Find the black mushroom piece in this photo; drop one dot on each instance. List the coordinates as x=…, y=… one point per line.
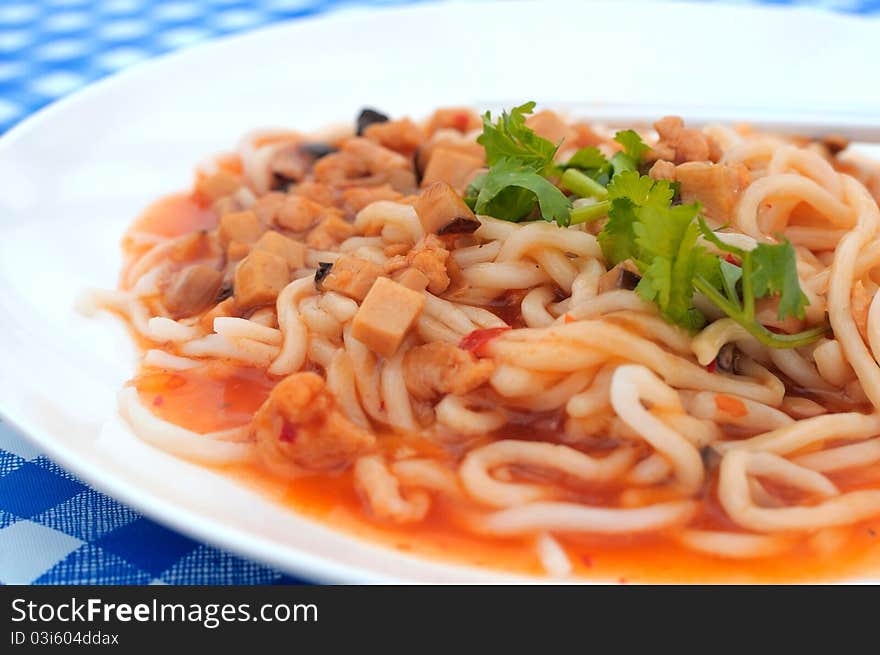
x=322, y=272
x=368, y=117
x=627, y=279
x=728, y=359
x=317, y=149
x=291, y=163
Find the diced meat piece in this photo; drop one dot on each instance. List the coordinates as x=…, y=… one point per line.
x=301, y=421
x=386, y=315
x=401, y=136
x=439, y=368
x=243, y=227
x=259, y=278
x=411, y=278
x=662, y=170
x=396, y=249
x=454, y=167
x=267, y=206
x=356, y=198
x=549, y=124
x=323, y=194
x=351, y=276
x=585, y=136
x=716, y=186
x=332, y=231
x=431, y=257
x=222, y=183
x=293, y=252
x=298, y=213
x=455, y=118
x=363, y=162
x=681, y=144
x=192, y=290
x=442, y=211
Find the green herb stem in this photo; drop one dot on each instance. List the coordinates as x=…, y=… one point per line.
x=583, y=185
x=590, y=213
x=762, y=334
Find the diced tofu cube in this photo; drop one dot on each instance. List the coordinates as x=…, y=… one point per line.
x=454, y=167
x=386, y=315
x=192, y=290
x=442, y=211
x=236, y=251
x=243, y=227
x=351, y=276
x=412, y=278
x=293, y=252
x=259, y=278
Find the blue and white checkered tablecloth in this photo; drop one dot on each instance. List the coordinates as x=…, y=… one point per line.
x=54, y=529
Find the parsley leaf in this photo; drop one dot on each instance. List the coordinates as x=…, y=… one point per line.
x=510, y=138
x=510, y=191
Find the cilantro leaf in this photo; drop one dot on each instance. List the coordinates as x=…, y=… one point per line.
x=511, y=191
x=632, y=143
x=775, y=272
x=617, y=239
x=510, y=138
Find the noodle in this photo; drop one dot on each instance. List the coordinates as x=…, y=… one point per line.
x=520, y=384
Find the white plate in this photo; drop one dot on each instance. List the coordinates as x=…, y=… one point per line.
x=76, y=174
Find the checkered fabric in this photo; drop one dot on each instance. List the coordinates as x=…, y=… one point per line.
x=54, y=529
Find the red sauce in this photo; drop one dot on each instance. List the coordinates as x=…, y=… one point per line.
x=226, y=396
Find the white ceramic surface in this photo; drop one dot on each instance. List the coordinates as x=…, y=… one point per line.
x=74, y=175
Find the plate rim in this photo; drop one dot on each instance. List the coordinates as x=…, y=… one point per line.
x=314, y=568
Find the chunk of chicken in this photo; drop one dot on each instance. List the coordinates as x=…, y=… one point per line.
x=330, y=232
x=716, y=186
x=461, y=119
x=356, y=198
x=401, y=136
x=439, y=368
x=363, y=162
x=549, y=124
x=680, y=144
x=298, y=213
x=430, y=256
x=301, y=422
x=351, y=276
